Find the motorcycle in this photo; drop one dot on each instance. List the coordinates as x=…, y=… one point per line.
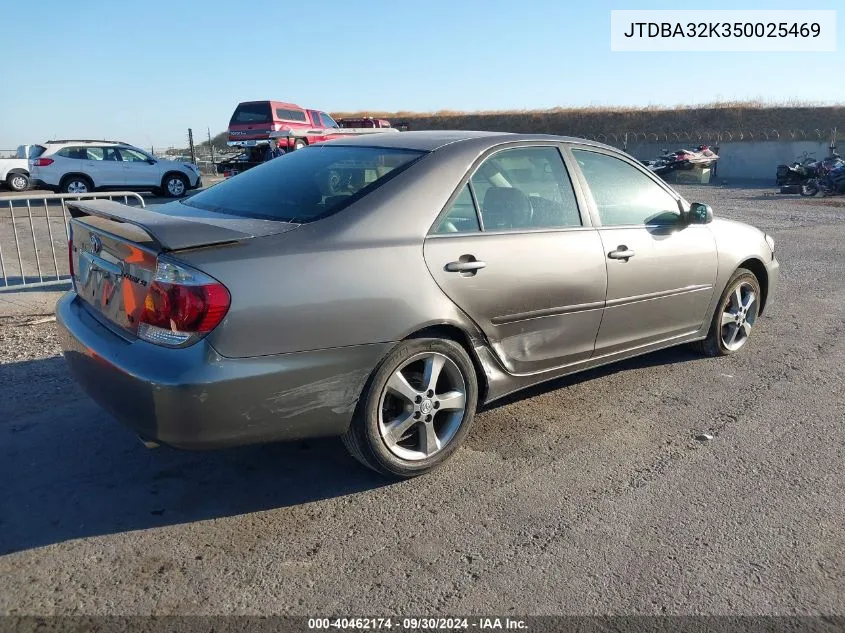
x=806, y=168
x=831, y=183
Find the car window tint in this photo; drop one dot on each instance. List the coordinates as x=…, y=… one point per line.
x=327, y=120
x=525, y=188
x=286, y=114
x=624, y=195
x=131, y=156
x=94, y=153
x=306, y=185
x=461, y=217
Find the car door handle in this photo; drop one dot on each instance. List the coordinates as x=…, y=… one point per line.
x=621, y=252
x=465, y=266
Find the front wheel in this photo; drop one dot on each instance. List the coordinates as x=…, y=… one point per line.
x=735, y=316
x=416, y=409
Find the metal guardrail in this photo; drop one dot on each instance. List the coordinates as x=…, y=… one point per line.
x=27, y=227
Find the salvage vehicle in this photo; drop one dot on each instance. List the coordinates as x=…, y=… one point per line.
x=14, y=172
x=451, y=268
x=254, y=123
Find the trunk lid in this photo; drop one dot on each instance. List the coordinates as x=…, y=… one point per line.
x=114, y=250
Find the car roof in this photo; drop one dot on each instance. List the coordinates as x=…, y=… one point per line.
x=430, y=140
x=87, y=142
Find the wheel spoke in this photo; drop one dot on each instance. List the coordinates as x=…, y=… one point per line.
x=398, y=386
x=396, y=429
x=747, y=328
x=749, y=300
x=429, y=442
x=452, y=400
x=737, y=298
x=433, y=367
x=728, y=318
x=734, y=333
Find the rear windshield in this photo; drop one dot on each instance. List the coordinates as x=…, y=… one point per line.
x=252, y=113
x=306, y=184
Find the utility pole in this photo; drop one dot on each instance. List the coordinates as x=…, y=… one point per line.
x=191, y=145
x=210, y=146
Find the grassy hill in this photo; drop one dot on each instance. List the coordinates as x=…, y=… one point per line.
x=726, y=120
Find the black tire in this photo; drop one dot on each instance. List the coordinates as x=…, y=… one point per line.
x=73, y=182
x=17, y=182
x=170, y=189
x=364, y=439
x=809, y=189
x=300, y=143
x=714, y=345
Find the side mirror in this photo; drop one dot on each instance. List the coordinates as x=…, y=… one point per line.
x=700, y=213
x=152, y=161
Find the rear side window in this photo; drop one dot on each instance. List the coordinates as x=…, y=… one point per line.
x=287, y=114
x=525, y=188
x=306, y=185
x=252, y=113
x=78, y=153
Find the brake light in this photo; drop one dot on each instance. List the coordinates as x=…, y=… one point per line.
x=43, y=162
x=182, y=305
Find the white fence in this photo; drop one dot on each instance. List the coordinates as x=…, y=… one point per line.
x=34, y=237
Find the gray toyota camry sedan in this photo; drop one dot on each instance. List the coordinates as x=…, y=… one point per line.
x=380, y=288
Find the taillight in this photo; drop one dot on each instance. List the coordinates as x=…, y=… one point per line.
x=43, y=162
x=182, y=305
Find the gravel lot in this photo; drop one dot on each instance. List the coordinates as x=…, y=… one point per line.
x=589, y=495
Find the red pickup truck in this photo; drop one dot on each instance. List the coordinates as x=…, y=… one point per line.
x=255, y=122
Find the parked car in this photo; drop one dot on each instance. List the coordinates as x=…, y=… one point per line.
x=14, y=172
x=365, y=121
x=82, y=166
x=447, y=270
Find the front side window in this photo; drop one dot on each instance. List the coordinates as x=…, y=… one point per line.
x=132, y=156
x=306, y=185
x=525, y=188
x=327, y=120
x=624, y=195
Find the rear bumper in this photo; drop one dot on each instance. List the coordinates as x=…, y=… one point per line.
x=194, y=398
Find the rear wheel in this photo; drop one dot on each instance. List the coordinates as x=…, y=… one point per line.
x=735, y=316
x=416, y=409
x=76, y=184
x=17, y=182
x=809, y=188
x=174, y=185
x=300, y=143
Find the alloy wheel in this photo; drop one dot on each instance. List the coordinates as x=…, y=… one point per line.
x=175, y=187
x=77, y=186
x=422, y=406
x=739, y=315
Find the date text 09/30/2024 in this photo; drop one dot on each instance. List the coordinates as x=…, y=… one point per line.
x=417, y=624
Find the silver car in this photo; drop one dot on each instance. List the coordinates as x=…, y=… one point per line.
x=381, y=288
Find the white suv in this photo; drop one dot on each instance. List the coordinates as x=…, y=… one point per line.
x=72, y=166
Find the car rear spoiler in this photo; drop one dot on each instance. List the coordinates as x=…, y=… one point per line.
x=169, y=232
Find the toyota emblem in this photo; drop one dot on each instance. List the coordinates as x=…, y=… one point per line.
x=96, y=243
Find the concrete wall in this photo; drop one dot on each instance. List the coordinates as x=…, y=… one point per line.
x=743, y=159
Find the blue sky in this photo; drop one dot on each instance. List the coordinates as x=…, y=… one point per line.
x=145, y=70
